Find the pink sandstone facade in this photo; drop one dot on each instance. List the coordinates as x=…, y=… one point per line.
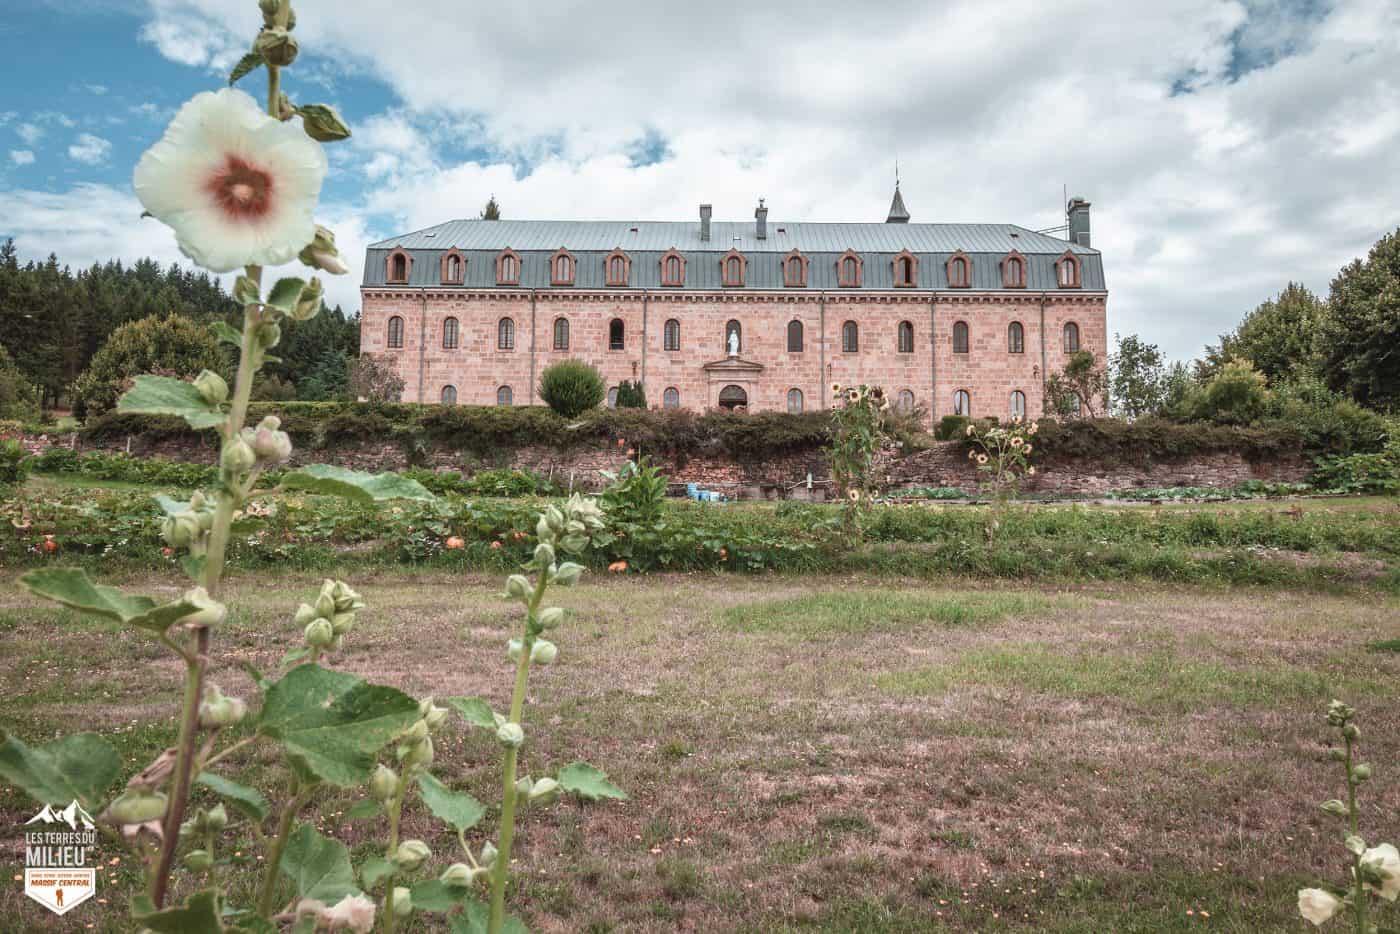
x=457, y=328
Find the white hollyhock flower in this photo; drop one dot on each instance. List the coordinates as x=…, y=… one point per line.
x=1317, y=906
x=351, y=913
x=237, y=186
x=1384, y=860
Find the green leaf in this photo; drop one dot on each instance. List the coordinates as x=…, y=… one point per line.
x=259, y=680
x=285, y=293
x=363, y=809
x=474, y=710
x=352, y=484
x=73, y=588
x=294, y=655
x=460, y=811
x=170, y=506
x=375, y=870
x=475, y=918
x=246, y=66
x=193, y=566
x=251, y=924
x=333, y=723
x=588, y=783
x=247, y=800
x=78, y=767
x=320, y=866
x=225, y=332
x=162, y=395
x=199, y=915
x=436, y=896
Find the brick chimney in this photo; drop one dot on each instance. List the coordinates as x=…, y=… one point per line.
x=760, y=215
x=705, y=212
x=1077, y=213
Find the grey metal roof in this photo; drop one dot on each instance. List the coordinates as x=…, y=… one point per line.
x=659, y=236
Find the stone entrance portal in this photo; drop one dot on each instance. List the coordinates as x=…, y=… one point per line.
x=733, y=397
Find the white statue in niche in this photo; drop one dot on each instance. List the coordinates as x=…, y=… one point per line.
x=733, y=343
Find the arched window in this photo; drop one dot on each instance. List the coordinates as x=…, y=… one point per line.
x=1071, y=337
x=732, y=268
x=906, y=270
x=1013, y=271
x=959, y=271
x=449, y=334
x=672, y=269
x=848, y=270
x=618, y=268
x=794, y=335
x=795, y=270
x=505, y=334
x=962, y=403
x=794, y=402
x=395, y=333
x=612, y=398
x=671, y=398
x=508, y=268
x=452, y=268
x=905, y=403
x=671, y=334
x=906, y=337
x=504, y=396
x=561, y=333
x=1067, y=271
x=850, y=337
x=617, y=334
x=449, y=395
x=733, y=336
x=1018, y=403
x=561, y=268
x=1015, y=338
x=399, y=265
x=960, y=341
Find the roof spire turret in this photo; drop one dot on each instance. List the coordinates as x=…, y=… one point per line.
x=899, y=214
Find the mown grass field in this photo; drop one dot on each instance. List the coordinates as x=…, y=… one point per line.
x=823, y=753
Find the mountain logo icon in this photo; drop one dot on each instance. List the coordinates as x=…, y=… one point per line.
x=72, y=815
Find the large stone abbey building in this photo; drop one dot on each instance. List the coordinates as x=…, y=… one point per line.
x=965, y=318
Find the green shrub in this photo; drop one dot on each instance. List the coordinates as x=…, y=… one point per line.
x=1237, y=395
x=631, y=395
x=572, y=387
x=14, y=462
x=19, y=399
x=169, y=346
x=951, y=427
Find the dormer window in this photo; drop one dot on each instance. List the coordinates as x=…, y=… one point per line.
x=397, y=267
x=849, y=269
x=1067, y=271
x=672, y=269
x=454, y=267
x=1013, y=271
x=617, y=268
x=561, y=268
x=795, y=270
x=906, y=270
x=508, y=267
x=732, y=268
x=959, y=271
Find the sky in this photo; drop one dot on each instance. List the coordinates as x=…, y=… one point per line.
x=1228, y=146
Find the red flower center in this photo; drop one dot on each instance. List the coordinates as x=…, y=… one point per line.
x=243, y=191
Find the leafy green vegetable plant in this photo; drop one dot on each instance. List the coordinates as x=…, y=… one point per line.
x=857, y=431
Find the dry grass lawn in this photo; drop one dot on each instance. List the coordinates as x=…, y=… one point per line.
x=821, y=754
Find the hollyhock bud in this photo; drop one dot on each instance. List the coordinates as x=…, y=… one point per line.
x=411, y=853
x=238, y=456
x=324, y=125
x=545, y=791
x=216, y=710
x=268, y=334
x=325, y=605
x=551, y=616
x=416, y=733
x=459, y=875
x=416, y=755
x=383, y=784
x=342, y=623
x=269, y=444
x=309, y=302
x=488, y=854
x=1334, y=807
x=522, y=788
x=1317, y=905
x=198, y=860
x=305, y=614
x=319, y=634
x=212, y=387
x=513, y=649
x=401, y=903
x=1382, y=864
x=1361, y=772
x=1351, y=731
x=543, y=652
x=554, y=517
x=433, y=715
x=137, y=807
x=511, y=735
x=543, y=531
x=346, y=597
x=568, y=574
x=217, y=818
x=544, y=554
x=321, y=253
x=210, y=613
x=180, y=530
x=276, y=46
x=518, y=587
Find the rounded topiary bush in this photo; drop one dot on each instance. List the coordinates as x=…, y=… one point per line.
x=571, y=387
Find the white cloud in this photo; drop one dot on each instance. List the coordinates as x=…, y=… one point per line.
x=89, y=149
x=22, y=156
x=97, y=89
x=30, y=133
